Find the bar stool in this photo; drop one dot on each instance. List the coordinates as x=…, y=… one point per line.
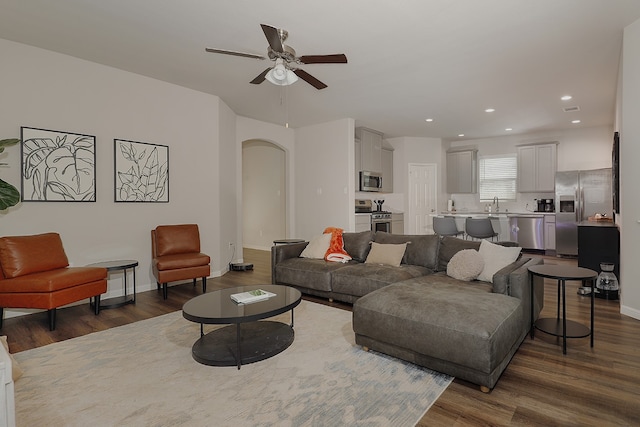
x=446, y=226
x=480, y=228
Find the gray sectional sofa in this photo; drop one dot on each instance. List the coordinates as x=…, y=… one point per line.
x=414, y=311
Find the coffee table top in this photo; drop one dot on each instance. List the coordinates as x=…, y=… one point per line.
x=218, y=308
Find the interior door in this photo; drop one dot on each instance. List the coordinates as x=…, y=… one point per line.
x=423, y=187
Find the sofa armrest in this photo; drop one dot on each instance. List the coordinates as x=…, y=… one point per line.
x=520, y=287
x=280, y=253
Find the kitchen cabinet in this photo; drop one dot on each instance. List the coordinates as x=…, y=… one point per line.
x=462, y=172
x=363, y=222
x=358, y=158
x=397, y=223
x=370, y=149
x=387, y=170
x=550, y=232
x=537, y=168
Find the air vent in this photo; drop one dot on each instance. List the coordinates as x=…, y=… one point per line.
x=571, y=109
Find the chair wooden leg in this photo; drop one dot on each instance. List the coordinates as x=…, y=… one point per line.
x=96, y=307
x=165, y=292
x=204, y=285
x=1, y=316
x=52, y=319
x=158, y=283
x=194, y=281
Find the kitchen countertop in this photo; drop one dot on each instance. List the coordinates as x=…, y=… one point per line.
x=597, y=224
x=495, y=214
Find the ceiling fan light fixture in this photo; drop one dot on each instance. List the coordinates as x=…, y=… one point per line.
x=280, y=75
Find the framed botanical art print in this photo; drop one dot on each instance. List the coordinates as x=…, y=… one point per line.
x=57, y=166
x=141, y=172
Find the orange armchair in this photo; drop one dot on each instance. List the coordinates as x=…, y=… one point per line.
x=176, y=255
x=35, y=273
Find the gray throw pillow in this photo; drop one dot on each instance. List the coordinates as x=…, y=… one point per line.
x=358, y=244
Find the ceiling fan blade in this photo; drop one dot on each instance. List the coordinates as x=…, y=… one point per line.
x=309, y=79
x=234, y=53
x=339, y=58
x=260, y=77
x=273, y=37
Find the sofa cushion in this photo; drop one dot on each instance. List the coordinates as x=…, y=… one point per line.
x=177, y=239
x=360, y=279
x=496, y=257
x=421, y=249
x=386, y=254
x=465, y=265
x=307, y=273
x=449, y=246
x=53, y=280
x=358, y=244
x=317, y=247
x=22, y=255
x=171, y=262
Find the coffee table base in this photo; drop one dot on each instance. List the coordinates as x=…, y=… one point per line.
x=258, y=341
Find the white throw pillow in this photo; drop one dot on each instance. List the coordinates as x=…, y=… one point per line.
x=465, y=265
x=317, y=247
x=387, y=254
x=495, y=257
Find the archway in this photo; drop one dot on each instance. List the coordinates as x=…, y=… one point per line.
x=264, y=196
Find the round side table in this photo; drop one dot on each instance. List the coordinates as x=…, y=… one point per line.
x=562, y=327
x=119, y=265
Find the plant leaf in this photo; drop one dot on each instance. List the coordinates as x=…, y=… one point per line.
x=9, y=195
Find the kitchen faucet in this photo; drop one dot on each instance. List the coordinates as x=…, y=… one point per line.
x=496, y=202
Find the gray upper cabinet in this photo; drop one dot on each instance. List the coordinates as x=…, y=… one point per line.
x=537, y=168
x=462, y=172
x=387, y=170
x=370, y=149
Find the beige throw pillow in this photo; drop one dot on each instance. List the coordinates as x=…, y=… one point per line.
x=465, y=265
x=495, y=257
x=386, y=254
x=317, y=247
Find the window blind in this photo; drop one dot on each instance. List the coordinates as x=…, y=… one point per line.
x=497, y=177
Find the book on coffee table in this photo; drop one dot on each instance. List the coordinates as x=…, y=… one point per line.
x=251, y=296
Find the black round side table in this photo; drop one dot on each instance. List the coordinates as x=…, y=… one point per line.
x=118, y=265
x=562, y=327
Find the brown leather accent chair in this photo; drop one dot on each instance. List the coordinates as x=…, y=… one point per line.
x=35, y=273
x=176, y=255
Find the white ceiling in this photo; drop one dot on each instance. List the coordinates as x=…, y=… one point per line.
x=408, y=59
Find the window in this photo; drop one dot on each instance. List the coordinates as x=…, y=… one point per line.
x=498, y=175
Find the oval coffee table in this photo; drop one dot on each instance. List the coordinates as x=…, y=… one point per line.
x=250, y=340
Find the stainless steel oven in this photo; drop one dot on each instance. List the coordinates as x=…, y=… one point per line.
x=381, y=221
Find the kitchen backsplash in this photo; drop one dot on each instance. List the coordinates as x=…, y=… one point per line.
x=471, y=203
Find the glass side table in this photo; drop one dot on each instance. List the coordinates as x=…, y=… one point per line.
x=119, y=265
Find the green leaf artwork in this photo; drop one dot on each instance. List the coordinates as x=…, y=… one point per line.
x=9, y=195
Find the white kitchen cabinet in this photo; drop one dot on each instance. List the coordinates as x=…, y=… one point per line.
x=397, y=223
x=363, y=222
x=550, y=232
x=462, y=172
x=358, y=157
x=537, y=168
x=370, y=149
x=387, y=170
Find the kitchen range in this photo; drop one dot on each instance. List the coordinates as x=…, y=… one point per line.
x=378, y=219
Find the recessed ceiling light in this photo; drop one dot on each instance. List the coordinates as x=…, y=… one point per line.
x=489, y=110
x=566, y=97
x=575, y=121
x=508, y=129
x=428, y=120
x=461, y=134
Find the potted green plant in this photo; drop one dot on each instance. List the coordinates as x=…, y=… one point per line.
x=9, y=195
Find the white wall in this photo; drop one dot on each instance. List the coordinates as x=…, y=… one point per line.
x=263, y=194
x=53, y=91
x=630, y=173
x=324, y=178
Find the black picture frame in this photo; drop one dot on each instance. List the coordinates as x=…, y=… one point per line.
x=141, y=172
x=57, y=166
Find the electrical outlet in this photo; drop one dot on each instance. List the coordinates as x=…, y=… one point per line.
x=230, y=244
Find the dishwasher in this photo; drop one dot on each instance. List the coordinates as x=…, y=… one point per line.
x=528, y=231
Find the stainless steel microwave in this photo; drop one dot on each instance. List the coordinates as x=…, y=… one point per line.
x=370, y=181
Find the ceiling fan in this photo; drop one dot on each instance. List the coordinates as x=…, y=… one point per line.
x=285, y=71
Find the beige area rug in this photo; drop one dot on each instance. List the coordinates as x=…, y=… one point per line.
x=142, y=374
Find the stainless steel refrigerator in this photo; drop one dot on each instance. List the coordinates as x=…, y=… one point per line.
x=579, y=195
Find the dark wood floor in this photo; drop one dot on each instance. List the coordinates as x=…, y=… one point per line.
x=597, y=386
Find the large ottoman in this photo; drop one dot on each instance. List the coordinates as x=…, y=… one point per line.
x=458, y=328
